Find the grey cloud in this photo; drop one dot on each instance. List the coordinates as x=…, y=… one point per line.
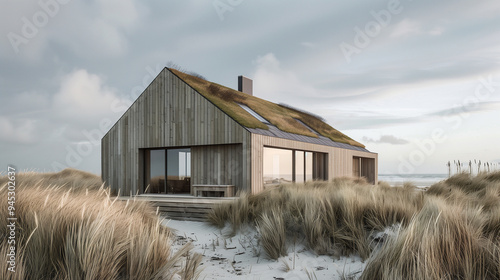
x=371, y=122
x=402, y=74
x=472, y=107
x=386, y=139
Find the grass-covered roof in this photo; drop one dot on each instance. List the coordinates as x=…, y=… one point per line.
x=284, y=118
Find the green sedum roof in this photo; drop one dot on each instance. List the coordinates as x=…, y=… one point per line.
x=284, y=118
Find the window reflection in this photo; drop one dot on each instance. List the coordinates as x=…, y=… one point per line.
x=179, y=171
x=286, y=166
x=168, y=171
x=299, y=167
x=157, y=172
x=277, y=166
x=309, y=166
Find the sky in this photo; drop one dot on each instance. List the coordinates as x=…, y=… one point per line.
x=417, y=82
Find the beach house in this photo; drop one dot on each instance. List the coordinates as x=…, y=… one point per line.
x=188, y=136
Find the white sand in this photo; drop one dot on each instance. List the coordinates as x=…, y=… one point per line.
x=242, y=257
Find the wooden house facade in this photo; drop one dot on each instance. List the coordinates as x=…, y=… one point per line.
x=187, y=136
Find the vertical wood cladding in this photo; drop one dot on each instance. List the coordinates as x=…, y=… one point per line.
x=217, y=165
x=169, y=113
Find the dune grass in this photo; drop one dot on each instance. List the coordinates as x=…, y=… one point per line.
x=450, y=231
x=455, y=236
x=442, y=241
x=69, y=178
x=70, y=227
x=334, y=218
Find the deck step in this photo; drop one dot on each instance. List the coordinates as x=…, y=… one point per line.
x=185, y=208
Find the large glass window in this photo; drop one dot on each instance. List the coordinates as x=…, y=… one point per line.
x=278, y=166
x=168, y=171
x=285, y=166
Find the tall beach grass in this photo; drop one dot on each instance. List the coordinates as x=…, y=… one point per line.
x=450, y=231
x=334, y=218
x=70, y=227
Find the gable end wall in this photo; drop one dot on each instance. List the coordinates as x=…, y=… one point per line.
x=169, y=113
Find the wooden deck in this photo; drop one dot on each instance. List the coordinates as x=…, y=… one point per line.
x=184, y=208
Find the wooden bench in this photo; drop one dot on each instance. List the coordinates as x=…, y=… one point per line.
x=210, y=190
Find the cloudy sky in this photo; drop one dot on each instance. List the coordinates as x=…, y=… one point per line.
x=416, y=81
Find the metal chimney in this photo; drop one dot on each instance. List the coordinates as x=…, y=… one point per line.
x=245, y=85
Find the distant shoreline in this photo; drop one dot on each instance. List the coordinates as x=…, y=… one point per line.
x=419, y=180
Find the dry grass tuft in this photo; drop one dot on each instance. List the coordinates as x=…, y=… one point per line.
x=454, y=236
x=271, y=227
x=450, y=231
x=191, y=266
x=334, y=218
x=69, y=227
x=481, y=191
x=442, y=241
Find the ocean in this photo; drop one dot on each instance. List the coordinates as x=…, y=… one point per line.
x=419, y=180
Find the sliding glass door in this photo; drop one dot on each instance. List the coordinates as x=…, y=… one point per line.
x=168, y=171
x=179, y=171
